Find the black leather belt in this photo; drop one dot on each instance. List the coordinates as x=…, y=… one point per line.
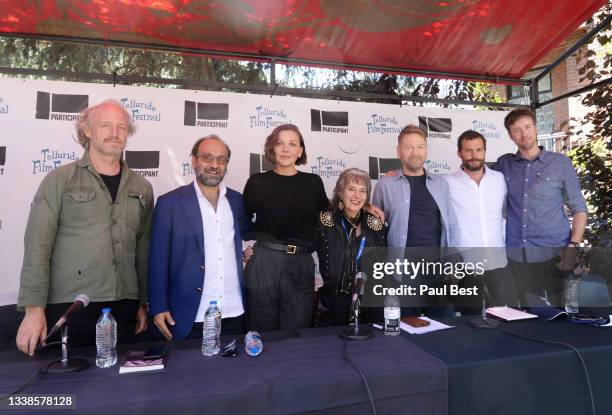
x=288, y=249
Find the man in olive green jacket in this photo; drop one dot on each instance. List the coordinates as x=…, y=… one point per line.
x=88, y=233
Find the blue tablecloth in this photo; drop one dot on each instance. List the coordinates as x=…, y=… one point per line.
x=298, y=372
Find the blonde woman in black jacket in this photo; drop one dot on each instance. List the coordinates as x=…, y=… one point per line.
x=345, y=229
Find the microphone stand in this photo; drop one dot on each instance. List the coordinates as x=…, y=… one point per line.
x=356, y=333
x=65, y=364
x=483, y=322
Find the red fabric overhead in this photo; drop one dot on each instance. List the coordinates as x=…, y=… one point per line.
x=500, y=38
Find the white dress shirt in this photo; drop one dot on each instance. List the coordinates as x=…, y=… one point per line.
x=478, y=209
x=221, y=281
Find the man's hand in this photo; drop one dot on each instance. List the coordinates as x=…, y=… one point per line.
x=32, y=329
x=247, y=254
x=141, y=320
x=568, y=259
x=160, y=321
x=376, y=211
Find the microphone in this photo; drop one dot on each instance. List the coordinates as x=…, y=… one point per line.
x=65, y=364
x=360, y=279
x=355, y=333
x=80, y=301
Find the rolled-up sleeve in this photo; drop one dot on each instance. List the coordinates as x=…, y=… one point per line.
x=572, y=194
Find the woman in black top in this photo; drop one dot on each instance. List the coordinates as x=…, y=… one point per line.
x=280, y=274
x=344, y=230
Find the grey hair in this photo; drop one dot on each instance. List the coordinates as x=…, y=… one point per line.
x=88, y=115
x=348, y=176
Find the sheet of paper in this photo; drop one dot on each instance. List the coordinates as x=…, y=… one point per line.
x=433, y=326
x=609, y=322
x=509, y=314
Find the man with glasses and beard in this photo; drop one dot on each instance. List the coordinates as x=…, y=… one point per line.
x=478, y=197
x=196, y=249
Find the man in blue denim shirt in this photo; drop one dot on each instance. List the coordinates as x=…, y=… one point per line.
x=417, y=206
x=541, y=184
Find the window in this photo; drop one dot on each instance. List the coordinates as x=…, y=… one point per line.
x=545, y=115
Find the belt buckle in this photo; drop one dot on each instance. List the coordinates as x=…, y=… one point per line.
x=291, y=249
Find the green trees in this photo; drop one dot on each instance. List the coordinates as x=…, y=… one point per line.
x=593, y=158
x=75, y=60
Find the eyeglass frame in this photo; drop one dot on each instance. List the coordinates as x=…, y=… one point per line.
x=209, y=158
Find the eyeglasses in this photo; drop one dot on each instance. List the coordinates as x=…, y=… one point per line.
x=209, y=158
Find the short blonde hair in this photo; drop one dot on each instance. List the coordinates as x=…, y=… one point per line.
x=411, y=129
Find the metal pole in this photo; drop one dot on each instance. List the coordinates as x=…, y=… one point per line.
x=258, y=58
x=272, y=72
x=533, y=95
x=262, y=89
x=576, y=92
x=574, y=48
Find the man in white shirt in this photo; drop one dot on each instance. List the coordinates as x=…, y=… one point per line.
x=478, y=196
x=196, y=250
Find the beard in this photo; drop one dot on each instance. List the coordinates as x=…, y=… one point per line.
x=415, y=163
x=473, y=164
x=104, y=146
x=210, y=177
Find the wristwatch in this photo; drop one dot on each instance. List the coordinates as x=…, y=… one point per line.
x=573, y=243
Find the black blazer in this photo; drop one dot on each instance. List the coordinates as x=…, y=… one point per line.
x=331, y=241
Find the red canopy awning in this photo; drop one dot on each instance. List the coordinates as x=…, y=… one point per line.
x=456, y=38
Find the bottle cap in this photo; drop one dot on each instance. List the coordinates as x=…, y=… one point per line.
x=106, y=310
x=213, y=302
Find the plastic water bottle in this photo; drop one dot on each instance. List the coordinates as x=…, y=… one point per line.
x=106, y=339
x=392, y=315
x=211, y=330
x=253, y=345
x=571, y=294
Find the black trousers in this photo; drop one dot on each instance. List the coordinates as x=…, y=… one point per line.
x=82, y=325
x=339, y=306
x=280, y=290
x=231, y=326
x=538, y=278
x=340, y=312
x=501, y=287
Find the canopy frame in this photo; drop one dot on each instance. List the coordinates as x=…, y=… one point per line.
x=273, y=88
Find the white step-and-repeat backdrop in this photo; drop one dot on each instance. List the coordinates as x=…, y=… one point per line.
x=37, y=135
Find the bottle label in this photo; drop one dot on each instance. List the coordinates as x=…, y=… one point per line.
x=392, y=313
x=392, y=324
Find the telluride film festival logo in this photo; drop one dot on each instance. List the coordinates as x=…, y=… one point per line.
x=381, y=124
x=327, y=167
x=265, y=117
x=51, y=159
x=437, y=167
x=60, y=107
x=487, y=129
x=186, y=169
x=141, y=110
x=4, y=107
